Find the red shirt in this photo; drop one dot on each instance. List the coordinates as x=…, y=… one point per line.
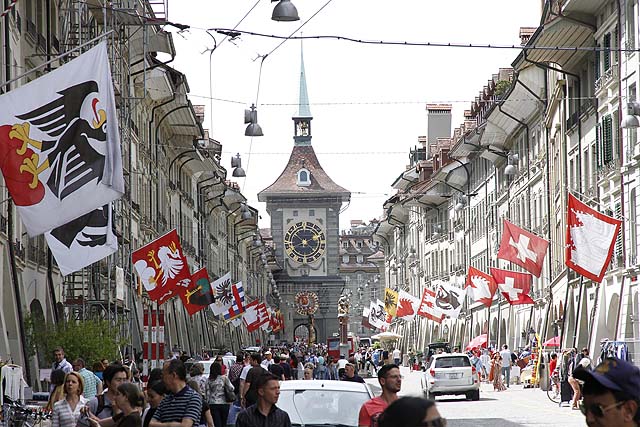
x=552, y=366
x=370, y=412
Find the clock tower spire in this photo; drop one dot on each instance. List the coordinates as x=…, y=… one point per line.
x=302, y=120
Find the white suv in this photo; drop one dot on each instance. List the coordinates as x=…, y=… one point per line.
x=451, y=373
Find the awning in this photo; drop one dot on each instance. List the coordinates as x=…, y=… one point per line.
x=406, y=179
x=562, y=32
x=468, y=143
x=522, y=102
x=435, y=195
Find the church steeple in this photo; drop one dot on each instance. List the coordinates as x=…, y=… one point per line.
x=302, y=120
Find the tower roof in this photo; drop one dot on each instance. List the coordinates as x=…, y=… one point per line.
x=303, y=99
x=303, y=156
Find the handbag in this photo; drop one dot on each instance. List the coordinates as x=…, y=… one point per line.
x=229, y=395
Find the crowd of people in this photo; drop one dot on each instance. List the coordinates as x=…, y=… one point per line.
x=245, y=392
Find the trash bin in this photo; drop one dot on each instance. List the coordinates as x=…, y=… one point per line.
x=543, y=376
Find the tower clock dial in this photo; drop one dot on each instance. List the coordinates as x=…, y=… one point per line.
x=304, y=242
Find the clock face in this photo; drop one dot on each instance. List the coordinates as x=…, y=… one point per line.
x=304, y=242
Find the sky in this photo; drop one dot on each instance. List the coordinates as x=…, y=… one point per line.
x=367, y=101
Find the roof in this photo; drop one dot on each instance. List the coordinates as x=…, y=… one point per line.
x=286, y=184
x=323, y=385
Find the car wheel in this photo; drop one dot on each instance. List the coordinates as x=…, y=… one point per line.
x=475, y=395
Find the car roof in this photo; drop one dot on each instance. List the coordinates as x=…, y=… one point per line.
x=449, y=355
x=323, y=385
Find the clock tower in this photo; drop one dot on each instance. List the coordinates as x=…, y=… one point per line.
x=304, y=205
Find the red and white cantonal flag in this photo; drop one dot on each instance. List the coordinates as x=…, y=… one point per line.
x=480, y=286
x=252, y=319
x=522, y=248
x=407, y=306
x=59, y=143
x=515, y=287
x=591, y=238
x=428, y=307
x=162, y=267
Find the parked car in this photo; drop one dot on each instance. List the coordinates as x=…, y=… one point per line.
x=319, y=402
x=451, y=373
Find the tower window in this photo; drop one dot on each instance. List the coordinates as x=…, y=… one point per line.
x=312, y=212
x=304, y=178
x=345, y=259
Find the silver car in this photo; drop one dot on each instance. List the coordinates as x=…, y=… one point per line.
x=451, y=373
x=323, y=402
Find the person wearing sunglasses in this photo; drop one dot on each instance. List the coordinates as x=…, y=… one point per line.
x=412, y=412
x=611, y=394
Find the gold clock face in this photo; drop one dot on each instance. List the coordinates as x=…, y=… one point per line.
x=304, y=242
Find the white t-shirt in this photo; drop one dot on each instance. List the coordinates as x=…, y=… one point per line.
x=506, y=358
x=342, y=363
x=396, y=354
x=245, y=371
x=265, y=363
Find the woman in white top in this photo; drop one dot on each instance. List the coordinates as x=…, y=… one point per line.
x=67, y=411
x=215, y=395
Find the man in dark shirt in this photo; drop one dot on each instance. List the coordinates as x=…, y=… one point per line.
x=276, y=369
x=285, y=366
x=350, y=374
x=249, y=394
x=265, y=413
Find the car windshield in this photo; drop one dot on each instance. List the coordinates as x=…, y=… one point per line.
x=329, y=407
x=452, y=362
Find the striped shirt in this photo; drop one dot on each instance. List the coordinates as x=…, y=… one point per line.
x=64, y=416
x=187, y=403
x=90, y=383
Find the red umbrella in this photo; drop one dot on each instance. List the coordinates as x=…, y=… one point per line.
x=552, y=342
x=479, y=341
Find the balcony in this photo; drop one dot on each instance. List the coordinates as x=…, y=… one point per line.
x=605, y=79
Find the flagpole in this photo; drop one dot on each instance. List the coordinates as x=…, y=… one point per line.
x=60, y=56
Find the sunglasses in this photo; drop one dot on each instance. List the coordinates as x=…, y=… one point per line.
x=436, y=422
x=598, y=410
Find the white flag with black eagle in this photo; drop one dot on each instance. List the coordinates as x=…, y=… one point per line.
x=59, y=143
x=83, y=241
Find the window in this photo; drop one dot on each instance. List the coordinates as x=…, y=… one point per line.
x=312, y=212
x=304, y=178
x=345, y=259
x=359, y=259
x=359, y=245
x=606, y=42
x=345, y=245
x=631, y=25
x=295, y=213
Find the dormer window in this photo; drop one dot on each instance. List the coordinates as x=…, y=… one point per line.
x=304, y=177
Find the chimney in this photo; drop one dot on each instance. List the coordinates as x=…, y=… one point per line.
x=438, y=122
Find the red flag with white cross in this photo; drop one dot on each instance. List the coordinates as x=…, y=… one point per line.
x=522, y=248
x=480, y=286
x=515, y=286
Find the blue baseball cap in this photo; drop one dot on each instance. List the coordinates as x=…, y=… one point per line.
x=613, y=374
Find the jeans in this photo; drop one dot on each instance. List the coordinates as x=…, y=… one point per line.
x=396, y=362
x=234, y=410
x=506, y=372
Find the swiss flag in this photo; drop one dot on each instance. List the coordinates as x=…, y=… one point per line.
x=480, y=286
x=591, y=238
x=428, y=307
x=522, y=248
x=162, y=267
x=514, y=286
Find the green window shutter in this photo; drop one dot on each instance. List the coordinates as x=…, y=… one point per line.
x=607, y=51
x=607, y=139
x=618, y=246
x=596, y=64
x=598, y=146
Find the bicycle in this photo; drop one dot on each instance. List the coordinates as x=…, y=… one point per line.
x=553, y=392
x=17, y=415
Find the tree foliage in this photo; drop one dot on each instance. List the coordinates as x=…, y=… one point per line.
x=92, y=340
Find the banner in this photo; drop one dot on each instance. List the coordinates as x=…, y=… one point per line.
x=60, y=144
x=390, y=301
x=428, y=307
x=222, y=295
x=198, y=295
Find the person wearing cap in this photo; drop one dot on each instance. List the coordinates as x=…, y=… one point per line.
x=268, y=360
x=285, y=366
x=611, y=393
x=350, y=374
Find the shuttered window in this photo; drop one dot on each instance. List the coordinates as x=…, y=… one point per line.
x=606, y=44
x=607, y=139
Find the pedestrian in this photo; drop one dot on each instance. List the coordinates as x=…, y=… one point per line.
x=276, y=369
x=321, y=372
x=391, y=382
x=397, y=354
x=130, y=402
x=57, y=382
x=294, y=363
x=496, y=367
x=206, y=419
x=67, y=412
x=102, y=404
x=220, y=360
x=196, y=373
x=412, y=412
x=350, y=374
x=268, y=359
x=505, y=354
x=155, y=393
x=249, y=393
x=92, y=384
x=611, y=394
x=265, y=413
x=308, y=374
x=98, y=369
x=284, y=363
x=216, y=392
x=332, y=367
x=580, y=360
x=59, y=361
x=182, y=404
